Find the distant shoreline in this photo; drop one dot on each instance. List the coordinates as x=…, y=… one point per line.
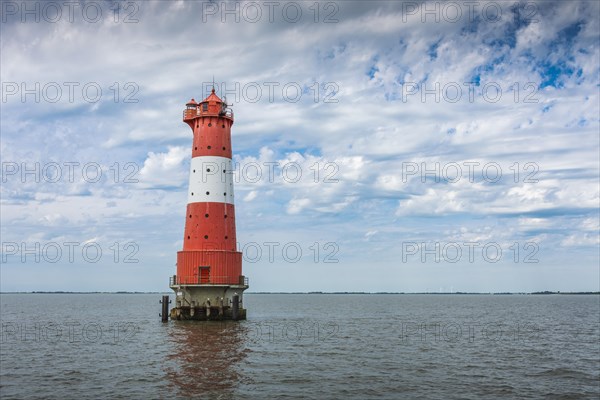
x=364, y=293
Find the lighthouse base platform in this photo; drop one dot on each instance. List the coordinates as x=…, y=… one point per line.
x=202, y=314
x=206, y=302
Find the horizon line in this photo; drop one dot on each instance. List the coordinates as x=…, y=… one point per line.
x=309, y=292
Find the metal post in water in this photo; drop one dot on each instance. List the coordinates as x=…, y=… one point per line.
x=165, y=309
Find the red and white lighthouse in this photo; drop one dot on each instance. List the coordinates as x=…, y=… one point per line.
x=209, y=283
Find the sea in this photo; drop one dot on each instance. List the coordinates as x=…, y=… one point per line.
x=303, y=346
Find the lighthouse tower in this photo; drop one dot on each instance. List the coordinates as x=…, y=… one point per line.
x=209, y=283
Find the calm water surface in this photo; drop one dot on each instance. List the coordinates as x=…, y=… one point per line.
x=91, y=346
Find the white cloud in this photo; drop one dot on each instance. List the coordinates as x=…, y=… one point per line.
x=433, y=201
x=584, y=239
x=165, y=169
x=251, y=195
x=295, y=206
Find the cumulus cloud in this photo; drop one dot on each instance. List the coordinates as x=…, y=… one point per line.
x=251, y=195
x=166, y=169
x=295, y=206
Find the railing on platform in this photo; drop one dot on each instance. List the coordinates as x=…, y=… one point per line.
x=190, y=113
x=206, y=280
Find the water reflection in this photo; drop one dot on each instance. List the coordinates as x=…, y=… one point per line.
x=204, y=357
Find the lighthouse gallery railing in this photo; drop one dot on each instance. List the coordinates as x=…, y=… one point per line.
x=204, y=280
x=190, y=113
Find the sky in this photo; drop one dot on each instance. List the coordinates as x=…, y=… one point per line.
x=380, y=146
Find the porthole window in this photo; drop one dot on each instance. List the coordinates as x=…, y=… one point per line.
x=188, y=237
x=205, y=215
x=223, y=147
x=207, y=169
x=225, y=215
x=205, y=236
x=224, y=194
x=226, y=237
x=195, y=148
x=209, y=147
x=190, y=215
x=207, y=193
x=223, y=126
x=192, y=193
x=209, y=124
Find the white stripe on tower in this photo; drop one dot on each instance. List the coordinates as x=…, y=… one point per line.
x=211, y=180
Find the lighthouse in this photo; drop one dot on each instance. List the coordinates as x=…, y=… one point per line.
x=209, y=284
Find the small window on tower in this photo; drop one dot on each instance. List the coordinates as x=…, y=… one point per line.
x=204, y=106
